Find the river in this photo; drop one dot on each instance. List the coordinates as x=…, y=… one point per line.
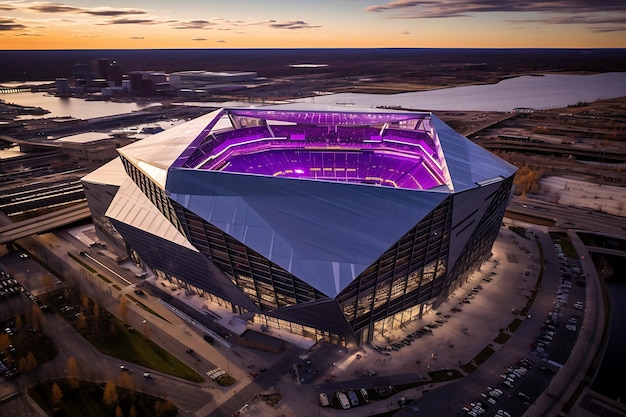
x=74, y=107
x=539, y=92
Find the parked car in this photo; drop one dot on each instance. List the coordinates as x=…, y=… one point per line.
x=354, y=400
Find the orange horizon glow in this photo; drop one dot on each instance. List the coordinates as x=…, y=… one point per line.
x=27, y=25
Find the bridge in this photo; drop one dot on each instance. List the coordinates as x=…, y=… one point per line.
x=44, y=223
x=11, y=90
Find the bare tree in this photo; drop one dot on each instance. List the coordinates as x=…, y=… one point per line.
x=31, y=361
x=81, y=325
x=57, y=395
x=110, y=393
x=124, y=309
x=73, y=372
x=126, y=381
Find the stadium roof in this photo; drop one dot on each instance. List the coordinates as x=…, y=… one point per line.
x=315, y=227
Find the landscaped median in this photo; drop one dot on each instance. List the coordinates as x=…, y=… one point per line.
x=115, y=338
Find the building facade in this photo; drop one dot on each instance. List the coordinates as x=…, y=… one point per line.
x=333, y=224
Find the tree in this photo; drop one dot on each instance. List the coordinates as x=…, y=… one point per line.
x=73, y=372
x=31, y=361
x=112, y=329
x=48, y=283
x=96, y=311
x=37, y=317
x=5, y=341
x=126, y=381
x=22, y=366
x=110, y=393
x=159, y=408
x=81, y=325
x=57, y=395
x=124, y=309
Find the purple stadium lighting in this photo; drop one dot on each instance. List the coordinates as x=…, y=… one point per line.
x=397, y=150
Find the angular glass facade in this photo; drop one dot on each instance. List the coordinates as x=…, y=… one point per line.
x=334, y=225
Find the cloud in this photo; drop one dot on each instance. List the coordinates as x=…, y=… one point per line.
x=406, y=32
x=28, y=34
x=577, y=20
x=111, y=12
x=131, y=22
x=221, y=41
x=53, y=8
x=291, y=24
x=199, y=39
x=7, y=24
x=136, y=37
x=101, y=16
x=609, y=29
x=414, y=9
x=193, y=24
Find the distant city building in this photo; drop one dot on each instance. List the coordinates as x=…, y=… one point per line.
x=144, y=83
x=196, y=84
x=329, y=223
x=213, y=80
x=82, y=72
x=101, y=67
x=62, y=87
x=114, y=74
x=112, y=91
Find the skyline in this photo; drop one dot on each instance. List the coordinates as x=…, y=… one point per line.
x=85, y=24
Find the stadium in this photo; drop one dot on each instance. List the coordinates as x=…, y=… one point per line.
x=332, y=223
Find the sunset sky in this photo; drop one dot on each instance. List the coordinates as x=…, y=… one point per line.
x=140, y=24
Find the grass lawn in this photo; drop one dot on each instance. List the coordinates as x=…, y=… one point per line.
x=109, y=334
x=128, y=344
